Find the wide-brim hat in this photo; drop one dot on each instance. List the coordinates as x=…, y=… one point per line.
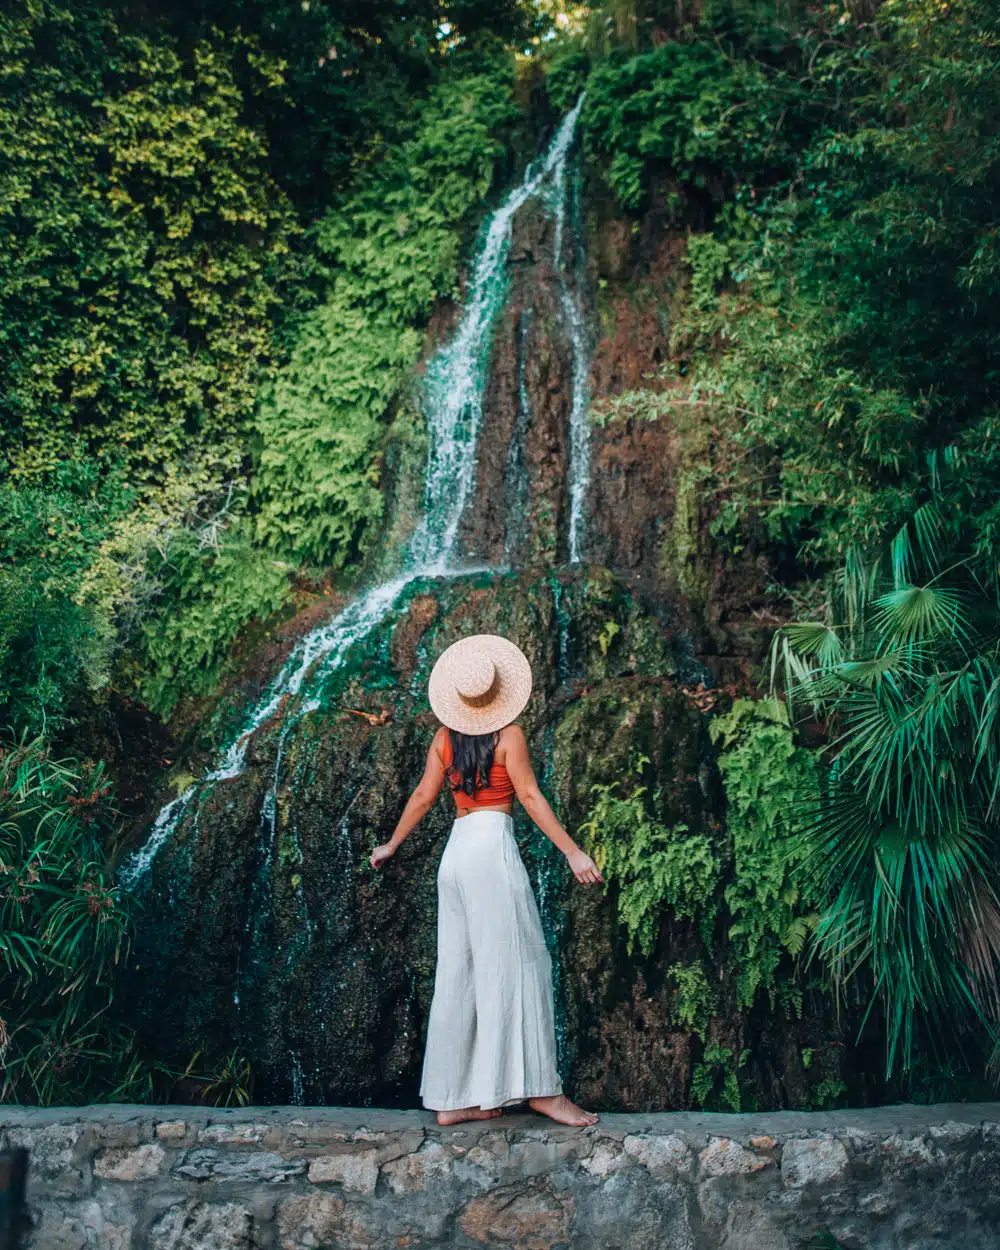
x=480, y=684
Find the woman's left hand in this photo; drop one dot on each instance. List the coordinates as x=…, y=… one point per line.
x=584, y=868
x=381, y=854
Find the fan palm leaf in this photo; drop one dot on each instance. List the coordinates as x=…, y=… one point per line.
x=903, y=845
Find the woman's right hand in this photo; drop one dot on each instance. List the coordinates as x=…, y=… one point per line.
x=584, y=868
x=381, y=854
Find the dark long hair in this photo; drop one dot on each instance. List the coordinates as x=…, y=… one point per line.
x=471, y=761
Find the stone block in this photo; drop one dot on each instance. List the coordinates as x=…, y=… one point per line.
x=722, y=1157
x=490, y=1155
x=952, y=1131
x=537, y=1156
x=911, y=1155
x=322, y=1221
x=310, y=1220
x=606, y=1158
x=660, y=1153
x=56, y=1155
x=204, y=1163
x=120, y=1133
x=879, y=1203
x=530, y=1218
x=86, y=1225
x=813, y=1161
x=233, y=1134
x=171, y=1130
x=430, y=1165
x=356, y=1171
x=129, y=1163
x=631, y=1210
x=748, y=1227
x=194, y=1225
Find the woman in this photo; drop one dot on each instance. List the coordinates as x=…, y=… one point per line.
x=491, y=1034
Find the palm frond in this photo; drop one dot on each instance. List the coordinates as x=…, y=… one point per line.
x=918, y=614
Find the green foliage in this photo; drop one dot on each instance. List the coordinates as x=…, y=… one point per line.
x=388, y=251
x=64, y=935
x=566, y=77
x=140, y=235
x=351, y=70
x=651, y=866
x=63, y=928
x=695, y=1000
x=770, y=783
x=53, y=649
x=823, y=1239
x=903, y=848
x=715, y=1081
x=765, y=894
x=607, y=635
x=839, y=325
x=49, y=653
x=838, y=345
x=683, y=109
x=151, y=259
x=212, y=583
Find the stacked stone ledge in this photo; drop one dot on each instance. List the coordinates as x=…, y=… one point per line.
x=144, y=1178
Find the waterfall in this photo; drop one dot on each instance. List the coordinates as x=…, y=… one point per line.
x=452, y=402
x=579, y=427
x=517, y=493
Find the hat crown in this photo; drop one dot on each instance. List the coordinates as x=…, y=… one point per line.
x=474, y=676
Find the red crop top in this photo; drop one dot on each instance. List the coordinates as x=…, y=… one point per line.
x=499, y=791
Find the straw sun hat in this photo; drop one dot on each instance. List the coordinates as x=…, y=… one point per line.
x=479, y=684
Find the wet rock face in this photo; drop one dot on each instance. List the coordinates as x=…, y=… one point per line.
x=262, y=929
x=287, y=947
x=899, y=1178
x=521, y=505
x=521, y=509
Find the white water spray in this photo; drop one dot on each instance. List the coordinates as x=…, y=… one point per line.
x=579, y=426
x=456, y=378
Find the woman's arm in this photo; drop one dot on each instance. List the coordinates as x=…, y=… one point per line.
x=419, y=803
x=518, y=765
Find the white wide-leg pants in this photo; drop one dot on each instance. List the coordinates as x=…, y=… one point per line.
x=491, y=1034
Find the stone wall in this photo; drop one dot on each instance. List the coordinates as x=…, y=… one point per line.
x=180, y=1178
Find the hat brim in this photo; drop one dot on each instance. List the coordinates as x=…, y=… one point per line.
x=512, y=685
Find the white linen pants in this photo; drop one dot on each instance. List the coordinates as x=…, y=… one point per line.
x=491, y=1034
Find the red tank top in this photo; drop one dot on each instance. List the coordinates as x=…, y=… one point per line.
x=499, y=791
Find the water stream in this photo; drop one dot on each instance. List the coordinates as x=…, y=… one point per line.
x=452, y=402
x=570, y=297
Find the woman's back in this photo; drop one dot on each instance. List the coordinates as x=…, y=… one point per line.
x=499, y=791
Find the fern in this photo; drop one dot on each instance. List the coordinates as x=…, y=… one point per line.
x=695, y=1001
x=390, y=250
x=770, y=783
x=652, y=866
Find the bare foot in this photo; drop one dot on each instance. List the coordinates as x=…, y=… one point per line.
x=467, y=1113
x=560, y=1109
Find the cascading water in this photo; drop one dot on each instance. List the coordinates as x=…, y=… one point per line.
x=517, y=487
x=455, y=382
x=579, y=427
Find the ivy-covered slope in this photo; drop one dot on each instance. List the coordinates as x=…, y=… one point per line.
x=197, y=358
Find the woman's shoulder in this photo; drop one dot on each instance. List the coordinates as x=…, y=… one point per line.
x=511, y=736
x=440, y=742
